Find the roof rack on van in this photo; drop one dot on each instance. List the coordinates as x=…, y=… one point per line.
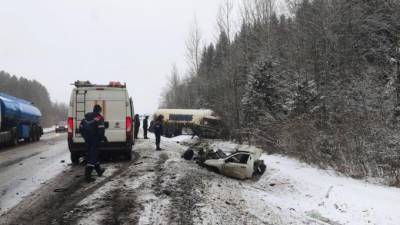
x=87, y=83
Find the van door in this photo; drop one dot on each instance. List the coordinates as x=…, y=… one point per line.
x=114, y=104
x=131, y=115
x=0, y=117
x=80, y=110
x=115, y=112
x=131, y=107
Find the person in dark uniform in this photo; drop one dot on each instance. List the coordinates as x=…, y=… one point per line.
x=145, y=126
x=158, y=130
x=137, y=125
x=92, y=129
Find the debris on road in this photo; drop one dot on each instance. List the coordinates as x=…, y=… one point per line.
x=167, y=192
x=60, y=189
x=188, y=154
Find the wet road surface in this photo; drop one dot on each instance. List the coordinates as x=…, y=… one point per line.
x=26, y=167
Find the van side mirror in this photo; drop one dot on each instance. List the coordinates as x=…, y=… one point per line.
x=106, y=124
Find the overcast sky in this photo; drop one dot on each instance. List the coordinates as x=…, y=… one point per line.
x=135, y=41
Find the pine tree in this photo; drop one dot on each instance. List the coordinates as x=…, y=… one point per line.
x=261, y=94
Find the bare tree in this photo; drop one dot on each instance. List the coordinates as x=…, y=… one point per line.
x=257, y=11
x=193, y=48
x=293, y=5
x=225, y=18
x=171, y=97
x=246, y=11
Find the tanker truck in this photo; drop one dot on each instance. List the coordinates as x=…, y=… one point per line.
x=203, y=122
x=19, y=120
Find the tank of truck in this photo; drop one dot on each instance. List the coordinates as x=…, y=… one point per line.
x=193, y=116
x=14, y=111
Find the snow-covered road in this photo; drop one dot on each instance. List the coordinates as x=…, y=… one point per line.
x=162, y=188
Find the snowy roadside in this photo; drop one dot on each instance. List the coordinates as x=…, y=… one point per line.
x=48, y=130
x=310, y=195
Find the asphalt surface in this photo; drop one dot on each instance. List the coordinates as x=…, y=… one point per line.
x=26, y=167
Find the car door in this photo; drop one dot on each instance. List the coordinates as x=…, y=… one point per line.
x=236, y=166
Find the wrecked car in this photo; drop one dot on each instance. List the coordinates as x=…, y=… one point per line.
x=241, y=164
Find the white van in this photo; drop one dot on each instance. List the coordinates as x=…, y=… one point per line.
x=117, y=111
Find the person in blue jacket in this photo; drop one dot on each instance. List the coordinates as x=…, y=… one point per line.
x=157, y=126
x=92, y=129
x=136, y=121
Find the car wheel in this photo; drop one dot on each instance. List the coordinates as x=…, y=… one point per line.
x=259, y=167
x=75, y=158
x=14, y=141
x=34, y=136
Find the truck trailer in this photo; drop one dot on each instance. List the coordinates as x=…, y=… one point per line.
x=19, y=120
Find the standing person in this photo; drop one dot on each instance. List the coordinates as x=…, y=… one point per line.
x=158, y=130
x=92, y=129
x=137, y=125
x=145, y=126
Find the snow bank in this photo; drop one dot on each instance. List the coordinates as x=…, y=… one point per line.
x=183, y=139
x=308, y=195
x=49, y=130
x=299, y=190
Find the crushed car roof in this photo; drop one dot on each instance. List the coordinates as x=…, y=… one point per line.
x=250, y=149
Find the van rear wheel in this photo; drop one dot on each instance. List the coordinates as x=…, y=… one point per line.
x=128, y=154
x=75, y=158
